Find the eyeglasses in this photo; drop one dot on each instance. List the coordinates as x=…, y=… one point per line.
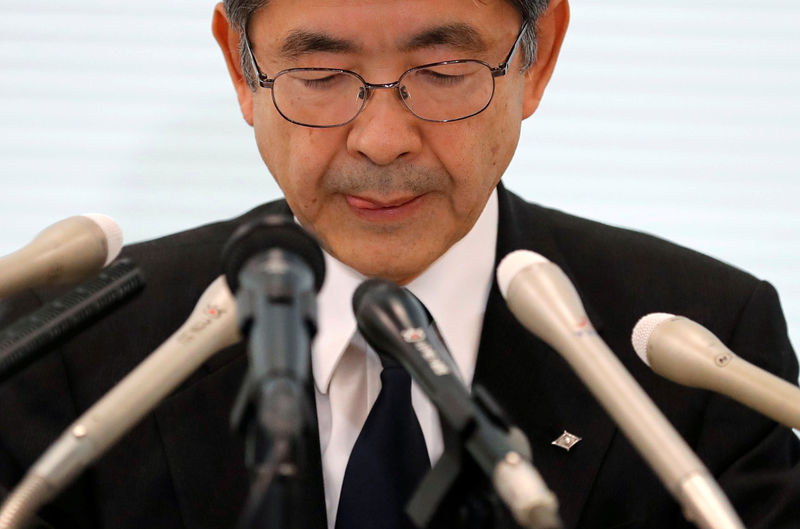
x=329, y=97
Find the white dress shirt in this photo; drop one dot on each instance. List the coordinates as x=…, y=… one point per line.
x=455, y=289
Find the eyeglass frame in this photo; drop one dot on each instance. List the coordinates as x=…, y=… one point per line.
x=500, y=70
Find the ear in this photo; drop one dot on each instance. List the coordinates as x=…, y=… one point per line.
x=228, y=39
x=551, y=27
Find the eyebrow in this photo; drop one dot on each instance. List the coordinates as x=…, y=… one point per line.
x=458, y=35
x=301, y=42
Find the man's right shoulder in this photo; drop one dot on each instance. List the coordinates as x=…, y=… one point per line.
x=186, y=247
x=176, y=269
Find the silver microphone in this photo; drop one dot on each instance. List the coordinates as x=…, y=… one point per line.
x=64, y=253
x=211, y=327
x=544, y=300
x=687, y=353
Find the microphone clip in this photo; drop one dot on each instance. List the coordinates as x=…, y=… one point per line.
x=456, y=493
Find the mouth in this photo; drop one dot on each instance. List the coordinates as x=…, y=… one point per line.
x=384, y=208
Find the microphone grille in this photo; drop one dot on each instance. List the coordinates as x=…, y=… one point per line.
x=512, y=264
x=111, y=230
x=642, y=331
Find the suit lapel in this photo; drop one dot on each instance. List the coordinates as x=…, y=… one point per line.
x=533, y=383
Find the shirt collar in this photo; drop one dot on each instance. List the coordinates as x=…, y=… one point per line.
x=454, y=288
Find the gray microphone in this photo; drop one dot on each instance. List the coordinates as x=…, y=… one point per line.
x=544, y=300
x=687, y=353
x=211, y=327
x=64, y=253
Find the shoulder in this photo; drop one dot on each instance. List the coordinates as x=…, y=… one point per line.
x=622, y=275
x=186, y=262
x=185, y=247
x=602, y=243
x=620, y=267
x=176, y=269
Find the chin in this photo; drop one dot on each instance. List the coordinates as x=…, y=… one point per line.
x=399, y=259
x=401, y=272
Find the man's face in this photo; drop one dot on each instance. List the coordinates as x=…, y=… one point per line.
x=388, y=193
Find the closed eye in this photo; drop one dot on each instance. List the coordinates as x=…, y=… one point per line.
x=437, y=78
x=317, y=80
x=323, y=82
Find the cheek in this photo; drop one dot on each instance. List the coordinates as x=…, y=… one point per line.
x=507, y=126
x=477, y=153
x=297, y=157
x=501, y=139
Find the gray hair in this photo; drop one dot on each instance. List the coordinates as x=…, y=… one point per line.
x=240, y=11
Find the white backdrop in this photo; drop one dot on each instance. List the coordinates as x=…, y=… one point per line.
x=678, y=117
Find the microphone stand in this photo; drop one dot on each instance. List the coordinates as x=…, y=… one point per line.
x=277, y=311
x=456, y=493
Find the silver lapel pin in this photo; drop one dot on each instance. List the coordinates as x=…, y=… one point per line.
x=567, y=440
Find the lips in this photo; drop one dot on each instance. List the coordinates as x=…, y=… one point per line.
x=384, y=209
x=368, y=203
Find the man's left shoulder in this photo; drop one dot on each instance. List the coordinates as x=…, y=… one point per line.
x=622, y=275
x=620, y=260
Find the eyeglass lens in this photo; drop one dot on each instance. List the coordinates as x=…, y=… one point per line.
x=441, y=92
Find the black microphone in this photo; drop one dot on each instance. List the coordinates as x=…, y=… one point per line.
x=22, y=342
x=395, y=323
x=275, y=268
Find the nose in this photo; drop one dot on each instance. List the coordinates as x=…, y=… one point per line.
x=385, y=131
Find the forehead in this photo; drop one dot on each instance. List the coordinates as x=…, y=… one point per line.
x=290, y=26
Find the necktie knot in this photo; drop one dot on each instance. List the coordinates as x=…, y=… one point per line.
x=397, y=379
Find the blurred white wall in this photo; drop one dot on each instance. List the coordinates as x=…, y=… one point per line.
x=680, y=118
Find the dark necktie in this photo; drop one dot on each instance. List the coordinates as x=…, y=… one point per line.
x=388, y=460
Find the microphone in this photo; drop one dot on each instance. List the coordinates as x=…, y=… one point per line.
x=276, y=268
x=685, y=352
x=22, y=342
x=210, y=327
x=65, y=253
x=395, y=323
x=544, y=300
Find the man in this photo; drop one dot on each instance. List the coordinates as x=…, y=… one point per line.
x=400, y=180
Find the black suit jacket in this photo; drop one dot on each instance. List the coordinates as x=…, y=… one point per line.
x=181, y=467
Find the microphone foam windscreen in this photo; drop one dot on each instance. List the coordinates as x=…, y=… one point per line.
x=111, y=230
x=642, y=331
x=512, y=264
x=266, y=233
